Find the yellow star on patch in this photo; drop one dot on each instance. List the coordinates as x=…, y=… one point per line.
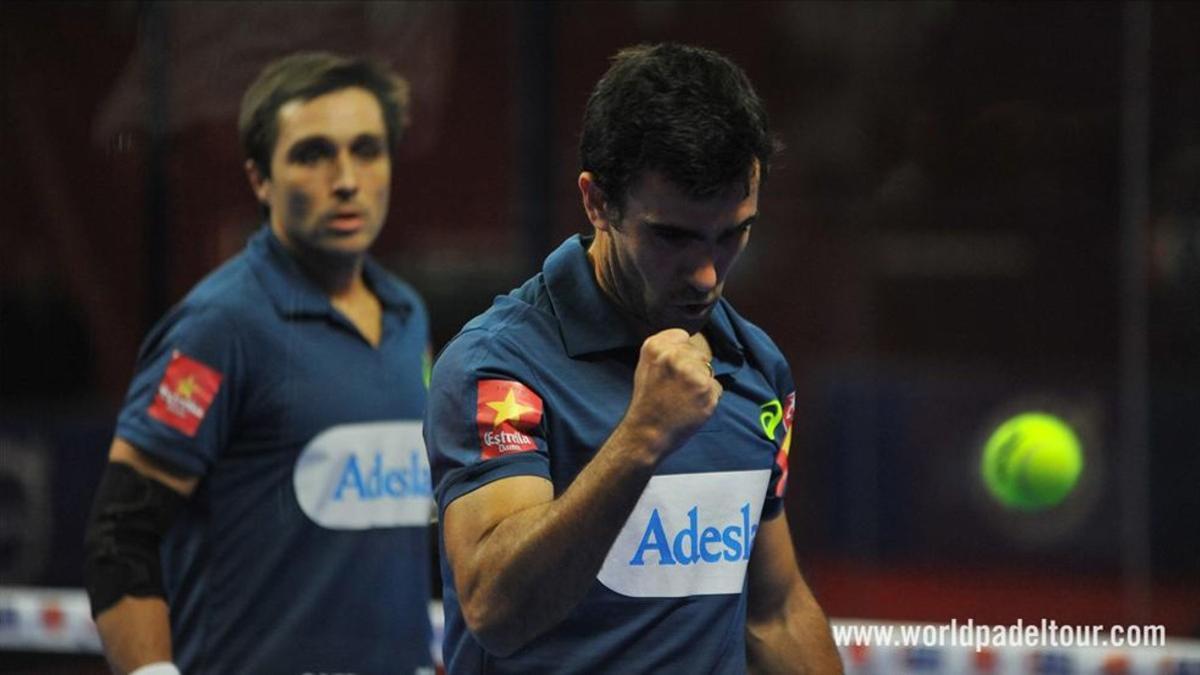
x=186, y=386
x=509, y=409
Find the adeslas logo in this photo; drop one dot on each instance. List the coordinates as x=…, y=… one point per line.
x=362, y=476
x=689, y=534
x=692, y=545
x=383, y=482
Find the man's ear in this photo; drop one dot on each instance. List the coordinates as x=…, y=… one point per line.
x=258, y=182
x=595, y=202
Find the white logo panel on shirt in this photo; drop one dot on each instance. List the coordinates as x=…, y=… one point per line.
x=690, y=534
x=363, y=476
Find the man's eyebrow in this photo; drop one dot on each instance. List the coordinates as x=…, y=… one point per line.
x=323, y=139
x=750, y=220
x=306, y=142
x=368, y=136
x=670, y=228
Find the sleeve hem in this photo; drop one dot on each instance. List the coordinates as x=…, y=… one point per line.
x=772, y=509
x=471, y=478
x=148, y=444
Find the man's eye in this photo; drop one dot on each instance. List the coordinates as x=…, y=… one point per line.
x=310, y=154
x=368, y=148
x=736, y=233
x=671, y=236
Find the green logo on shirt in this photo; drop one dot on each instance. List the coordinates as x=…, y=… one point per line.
x=770, y=415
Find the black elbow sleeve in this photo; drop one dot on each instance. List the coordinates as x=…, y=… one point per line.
x=130, y=515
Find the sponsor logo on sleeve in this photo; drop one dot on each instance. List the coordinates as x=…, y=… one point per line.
x=770, y=414
x=689, y=534
x=773, y=415
x=363, y=476
x=506, y=414
x=781, y=457
x=187, y=389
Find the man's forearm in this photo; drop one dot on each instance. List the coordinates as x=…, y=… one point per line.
x=135, y=632
x=537, y=564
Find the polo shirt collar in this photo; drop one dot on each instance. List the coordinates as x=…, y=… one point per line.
x=386, y=289
x=728, y=353
x=294, y=293
x=589, y=320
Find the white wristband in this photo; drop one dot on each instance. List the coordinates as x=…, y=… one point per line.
x=160, y=668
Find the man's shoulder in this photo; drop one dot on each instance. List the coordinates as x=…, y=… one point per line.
x=512, y=331
x=523, y=313
x=213, y=318
x=231, y=291
x=506, y=322
x=227, y=285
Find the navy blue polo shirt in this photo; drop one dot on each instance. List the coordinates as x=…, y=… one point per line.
x=304, y=548
x=535, y=386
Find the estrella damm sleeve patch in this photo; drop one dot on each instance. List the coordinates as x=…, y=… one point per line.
x=781, y=457
x=187, y=389
x=507, y=413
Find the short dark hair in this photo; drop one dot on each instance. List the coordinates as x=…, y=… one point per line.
x=684, y=111
x=305, y=76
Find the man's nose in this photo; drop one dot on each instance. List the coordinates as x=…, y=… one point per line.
x=704, y=275
x=345, y=181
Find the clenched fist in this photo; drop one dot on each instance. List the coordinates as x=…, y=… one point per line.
x=674, y=391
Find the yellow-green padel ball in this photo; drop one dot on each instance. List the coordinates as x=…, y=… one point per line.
x=1032, y=461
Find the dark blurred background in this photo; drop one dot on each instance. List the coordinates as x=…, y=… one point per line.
x=982, y=208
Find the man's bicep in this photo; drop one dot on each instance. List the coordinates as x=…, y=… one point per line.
x=774, y=573
x=469, y=520
x=786, y=628
x=126, y=453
